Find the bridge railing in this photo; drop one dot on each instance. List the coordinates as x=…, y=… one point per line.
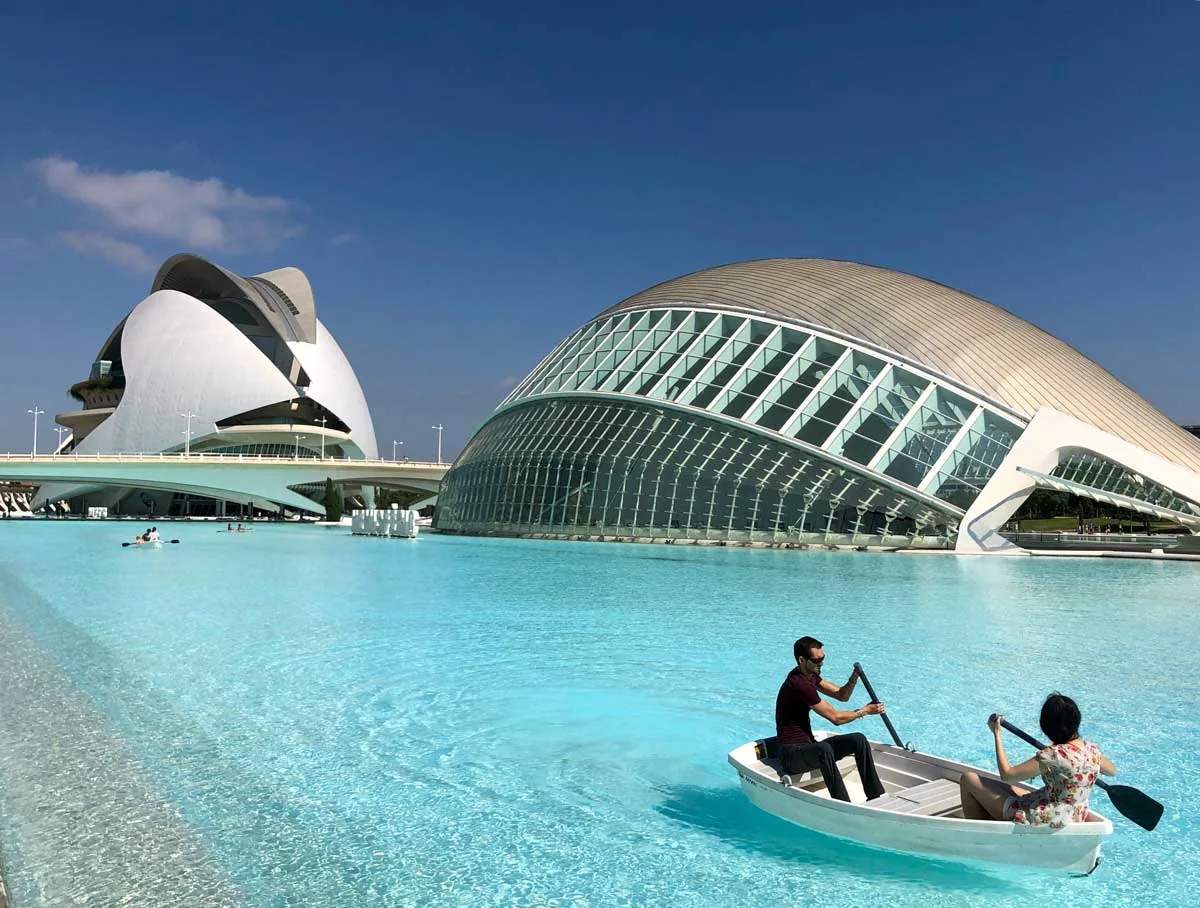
x=176, y=457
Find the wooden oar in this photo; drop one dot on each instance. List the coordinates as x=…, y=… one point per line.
x=1129, y=801
x=884, y=716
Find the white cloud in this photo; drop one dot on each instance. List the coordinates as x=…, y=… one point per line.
x=127, y=255
x=345, y=239
x=205, y=214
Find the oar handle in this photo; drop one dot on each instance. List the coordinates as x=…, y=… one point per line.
x=884, y=716
x=1031, y=740
x=1027, y=738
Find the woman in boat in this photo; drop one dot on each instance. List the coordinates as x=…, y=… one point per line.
x=1068, y=768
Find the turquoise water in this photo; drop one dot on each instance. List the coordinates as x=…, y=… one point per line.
x=296, y=716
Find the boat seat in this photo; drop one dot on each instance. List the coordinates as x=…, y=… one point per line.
x=767, y=752
x=927, y=799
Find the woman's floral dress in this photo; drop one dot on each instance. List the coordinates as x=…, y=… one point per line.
x=1069, y=771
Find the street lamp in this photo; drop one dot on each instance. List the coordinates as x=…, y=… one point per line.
x=60, y=430
x=439, y=432
x=394, y=443
x=36, y=412
x=187, y=433
x=322, y=421
x=297, y=452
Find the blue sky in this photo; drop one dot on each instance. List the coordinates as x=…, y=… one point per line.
x=465, y=186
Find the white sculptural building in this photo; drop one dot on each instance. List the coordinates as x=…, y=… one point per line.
x=807, y=400
x=211, y=362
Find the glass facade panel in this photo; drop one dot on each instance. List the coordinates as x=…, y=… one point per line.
x=834, y=397
x=969, y=467
x=926, y=435
x=1104, y=475
x=268, y=449
x=800, y=377
x=625, y=468
x=879, y=414
x=773, y=377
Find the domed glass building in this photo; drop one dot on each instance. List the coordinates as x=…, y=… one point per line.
x=801, y=400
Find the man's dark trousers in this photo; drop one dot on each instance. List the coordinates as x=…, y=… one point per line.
x=823, y=755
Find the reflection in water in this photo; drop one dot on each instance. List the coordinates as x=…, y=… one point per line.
x=729, y=815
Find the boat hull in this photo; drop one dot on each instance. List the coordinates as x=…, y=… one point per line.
x=1073, y=849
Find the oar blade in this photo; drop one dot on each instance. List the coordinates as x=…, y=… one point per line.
x=1136, y=805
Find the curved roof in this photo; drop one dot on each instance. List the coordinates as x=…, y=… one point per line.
x=963, y=337
x=284, y=296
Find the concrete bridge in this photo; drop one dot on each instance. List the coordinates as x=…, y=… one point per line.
x=244, y=478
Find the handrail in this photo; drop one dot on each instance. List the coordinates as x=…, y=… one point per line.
x=179, y=457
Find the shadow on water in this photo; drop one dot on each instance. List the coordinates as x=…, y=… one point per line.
x=728, y=815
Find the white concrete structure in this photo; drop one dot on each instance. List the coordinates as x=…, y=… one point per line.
x=240, y=478
x=1052, y=439
x=805, y=400
x=398, y=523
x=211, y=362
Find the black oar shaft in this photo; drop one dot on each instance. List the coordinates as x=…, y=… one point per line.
x=871, y=693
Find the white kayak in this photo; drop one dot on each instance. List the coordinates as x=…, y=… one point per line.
x=919, y=814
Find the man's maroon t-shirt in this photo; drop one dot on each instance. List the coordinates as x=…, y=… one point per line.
x=797, y=696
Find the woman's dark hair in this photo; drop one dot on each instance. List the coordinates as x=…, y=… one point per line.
x=1060, y=718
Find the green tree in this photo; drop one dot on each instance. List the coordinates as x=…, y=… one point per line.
x=333, y=501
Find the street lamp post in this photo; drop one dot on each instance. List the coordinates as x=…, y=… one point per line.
x=36, y=412
x=187, y=433
x=322, y=421
x=296, y=455
x=439, y=432
x=60, y=430
x=394, y=443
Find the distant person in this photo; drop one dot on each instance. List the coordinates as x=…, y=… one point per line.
x=229, y=528
x=799, y=696
x=1068, y=768
x=241, y=529
x=154, y=537
x=146, y=535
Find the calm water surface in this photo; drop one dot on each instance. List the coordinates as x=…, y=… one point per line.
x=295, y=716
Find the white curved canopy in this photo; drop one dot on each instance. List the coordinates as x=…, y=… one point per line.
x=284, y=297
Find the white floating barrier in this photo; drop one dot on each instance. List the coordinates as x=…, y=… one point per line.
x=395, y=522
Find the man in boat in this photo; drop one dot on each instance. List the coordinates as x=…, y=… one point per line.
x=799, y=697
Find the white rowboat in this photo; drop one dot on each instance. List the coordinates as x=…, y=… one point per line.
x=919, y=814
